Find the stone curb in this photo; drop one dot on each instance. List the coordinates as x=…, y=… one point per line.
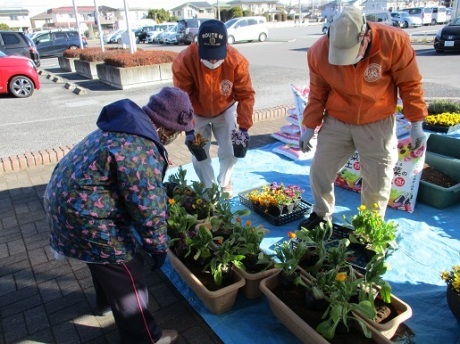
x=53, y=155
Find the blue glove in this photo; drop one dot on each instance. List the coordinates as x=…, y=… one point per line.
x=245, y=133
x=157, y=260
x=189, y=136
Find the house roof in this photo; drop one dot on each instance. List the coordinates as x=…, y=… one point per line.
x=69, y=9
x=17, y=12
x=234, y=2
x=43, y=15
x=196, y=4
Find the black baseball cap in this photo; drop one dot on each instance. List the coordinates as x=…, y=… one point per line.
x=212, y=40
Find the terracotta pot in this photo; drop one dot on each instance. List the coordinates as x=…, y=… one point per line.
x=218, y=301
x=453, y=300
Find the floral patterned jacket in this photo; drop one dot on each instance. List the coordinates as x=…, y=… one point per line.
x=108, y=190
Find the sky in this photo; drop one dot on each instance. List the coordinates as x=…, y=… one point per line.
x=36, y=7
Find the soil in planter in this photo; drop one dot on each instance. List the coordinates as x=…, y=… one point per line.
x=433, y=176
x=206, y=278
x=291, y=296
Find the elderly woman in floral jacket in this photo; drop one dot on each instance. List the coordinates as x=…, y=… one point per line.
x=106, y=199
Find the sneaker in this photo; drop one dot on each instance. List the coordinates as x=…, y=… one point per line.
x=312, y=221
x=168, y=337
x=228, y=190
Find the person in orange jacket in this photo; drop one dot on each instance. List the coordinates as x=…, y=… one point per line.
x=356, y=73
x=216, y=78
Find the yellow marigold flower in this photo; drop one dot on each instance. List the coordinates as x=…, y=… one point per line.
x=248, y=223
x=341, y=276
x=292, y=235
x=362, y=207
x=199, y=201
x=171, y=201
x=375, y=205
x=456, y=284
x=445, y=275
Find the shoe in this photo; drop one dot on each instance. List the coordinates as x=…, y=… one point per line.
x=168, y=337
x=312, y=221
x=228, y=190
x=101, y=312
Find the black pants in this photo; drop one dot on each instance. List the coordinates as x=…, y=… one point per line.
x=123, y=288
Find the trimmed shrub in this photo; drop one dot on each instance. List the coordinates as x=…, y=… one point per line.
x=141, y=58
x=439, y=106
x=96, y=54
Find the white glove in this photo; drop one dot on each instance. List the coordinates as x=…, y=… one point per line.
x=304, y=140
x=417, y=135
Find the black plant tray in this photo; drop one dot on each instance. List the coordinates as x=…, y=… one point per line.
x=360, y=257
x=441, y=128
x=299, y=211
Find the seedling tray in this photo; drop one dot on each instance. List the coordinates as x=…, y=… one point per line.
x=441, y=128
x=302, y=208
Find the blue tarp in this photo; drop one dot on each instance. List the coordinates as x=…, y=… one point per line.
x=428, y=240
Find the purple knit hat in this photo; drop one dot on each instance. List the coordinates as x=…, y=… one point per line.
x=171, y=108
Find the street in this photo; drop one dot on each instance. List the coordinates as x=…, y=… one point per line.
x=55, y=116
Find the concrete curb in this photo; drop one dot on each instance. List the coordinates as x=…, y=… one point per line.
x=54, y=155
x=68, y=85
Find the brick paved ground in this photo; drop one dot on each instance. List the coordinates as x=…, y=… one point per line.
x=47, y=301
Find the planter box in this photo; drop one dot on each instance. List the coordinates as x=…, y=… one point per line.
x=443, y=145
x=67, y=63
x=437, y=196
x=252, y=287
x=218, y=301
x=389, y=328
x=294, y=323
x=86, y=68
x=131, y=77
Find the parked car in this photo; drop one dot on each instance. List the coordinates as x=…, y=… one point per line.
x=383, y=17
x=246, y=29
x=405, y=20
x=152, y=36
x=171, y=37
x=187, y=30
x=162, y=36
x=17, y=43
x=54, y=43
x=448, y=38
x=439, y=15
x=448, y=14
x=424, y=13
x=18, y=76
x=108, y=38
x=141, y=33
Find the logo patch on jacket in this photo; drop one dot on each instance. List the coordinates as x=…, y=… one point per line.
x=373, y=72
x=226, y=87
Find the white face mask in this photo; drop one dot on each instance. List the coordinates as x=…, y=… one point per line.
x=359, y=58
x=212, y=65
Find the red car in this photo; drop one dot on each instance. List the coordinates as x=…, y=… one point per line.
x=18, y=76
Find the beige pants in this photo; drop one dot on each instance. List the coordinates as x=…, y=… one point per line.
x=376, y=144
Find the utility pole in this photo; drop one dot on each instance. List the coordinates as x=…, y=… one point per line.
x=300, y=13
x=99, y=28
x=77, y=23
x=218, y=10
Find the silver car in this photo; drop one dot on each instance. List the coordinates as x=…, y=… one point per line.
x=406, y=20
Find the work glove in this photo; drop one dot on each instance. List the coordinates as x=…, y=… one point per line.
x=157, y=260
x=245, y=133
x=189, y=137
x=304, y=140
x=417, y=136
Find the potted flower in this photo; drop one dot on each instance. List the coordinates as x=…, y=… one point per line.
x=452, y=279
x=256, y=264
x=240, y=143
x=196, y=147
x=179, y=224
x=370, y=229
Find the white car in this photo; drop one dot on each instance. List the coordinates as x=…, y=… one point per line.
x=161, y=38
x=246, y=29
x=108, y=38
